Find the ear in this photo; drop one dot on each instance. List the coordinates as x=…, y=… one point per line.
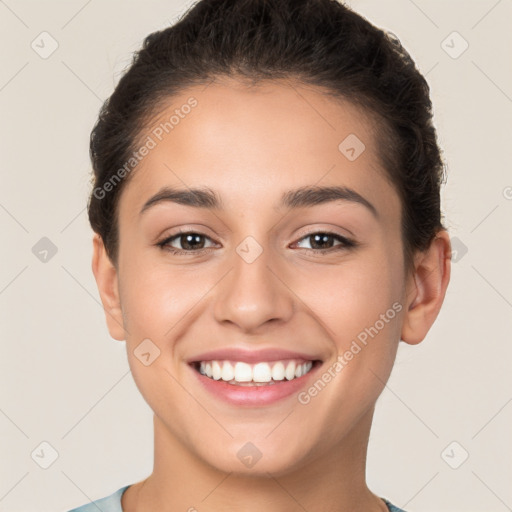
x=106, y=277
x=426, y=289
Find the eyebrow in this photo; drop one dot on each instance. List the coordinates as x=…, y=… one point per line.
x=301, y=197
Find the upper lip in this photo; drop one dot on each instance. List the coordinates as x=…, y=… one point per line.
x=250, y=356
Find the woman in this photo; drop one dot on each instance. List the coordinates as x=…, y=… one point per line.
x=266, y=208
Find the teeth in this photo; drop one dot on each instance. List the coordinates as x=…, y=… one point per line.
x=243, y=372
x=216, y=370
x=290, y=371
x=261, y=373
x=258, y=374
x=278, y=371
x=227, y=371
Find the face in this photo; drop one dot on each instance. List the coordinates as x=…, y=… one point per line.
x=278, y=281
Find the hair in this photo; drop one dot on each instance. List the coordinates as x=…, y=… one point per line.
x=322, y=43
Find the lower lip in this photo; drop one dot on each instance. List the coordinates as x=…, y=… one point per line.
x=255, y=395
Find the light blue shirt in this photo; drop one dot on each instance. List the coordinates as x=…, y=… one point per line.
x=112, y=503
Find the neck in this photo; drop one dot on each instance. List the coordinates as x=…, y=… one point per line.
x=334, y=481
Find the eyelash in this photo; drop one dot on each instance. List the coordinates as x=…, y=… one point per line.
x=346, y=243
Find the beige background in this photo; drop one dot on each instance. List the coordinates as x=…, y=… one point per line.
x=66, y=382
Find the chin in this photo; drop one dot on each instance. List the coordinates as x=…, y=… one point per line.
x=256, y=459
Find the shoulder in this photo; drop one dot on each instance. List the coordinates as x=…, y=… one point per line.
x=111, y=503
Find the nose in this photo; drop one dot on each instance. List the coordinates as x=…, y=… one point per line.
x=254, y=294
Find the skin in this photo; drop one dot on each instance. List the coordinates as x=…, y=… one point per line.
x=250, y=145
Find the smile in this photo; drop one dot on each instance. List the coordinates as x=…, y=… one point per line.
x=239, y=373
x=253, y=378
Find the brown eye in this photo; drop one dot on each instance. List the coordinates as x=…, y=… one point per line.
x=189, y=241
x=322, y=242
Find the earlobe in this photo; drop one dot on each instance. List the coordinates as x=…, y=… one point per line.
x=106, y=277
x=426, y=289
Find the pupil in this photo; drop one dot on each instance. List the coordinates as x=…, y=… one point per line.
x=322, y=238
x=191, y=238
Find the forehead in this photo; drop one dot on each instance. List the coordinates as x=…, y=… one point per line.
x=251, y=144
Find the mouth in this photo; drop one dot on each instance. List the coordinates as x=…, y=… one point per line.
x=263, y=373
x=253, y=378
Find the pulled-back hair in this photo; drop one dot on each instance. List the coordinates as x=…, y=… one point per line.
x=316, y=42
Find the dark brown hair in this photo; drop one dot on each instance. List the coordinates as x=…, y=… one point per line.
x=316, y=42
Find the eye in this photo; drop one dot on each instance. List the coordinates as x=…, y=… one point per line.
x=322, y=242
x=190, y=241
x=194, y=242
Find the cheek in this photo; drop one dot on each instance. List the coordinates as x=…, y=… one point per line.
x=350, y=296
x=363, y=312
x=165, y=303
x=359, y=303
x=150, y=302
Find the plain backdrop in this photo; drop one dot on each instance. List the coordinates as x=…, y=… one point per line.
x=441, y=439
